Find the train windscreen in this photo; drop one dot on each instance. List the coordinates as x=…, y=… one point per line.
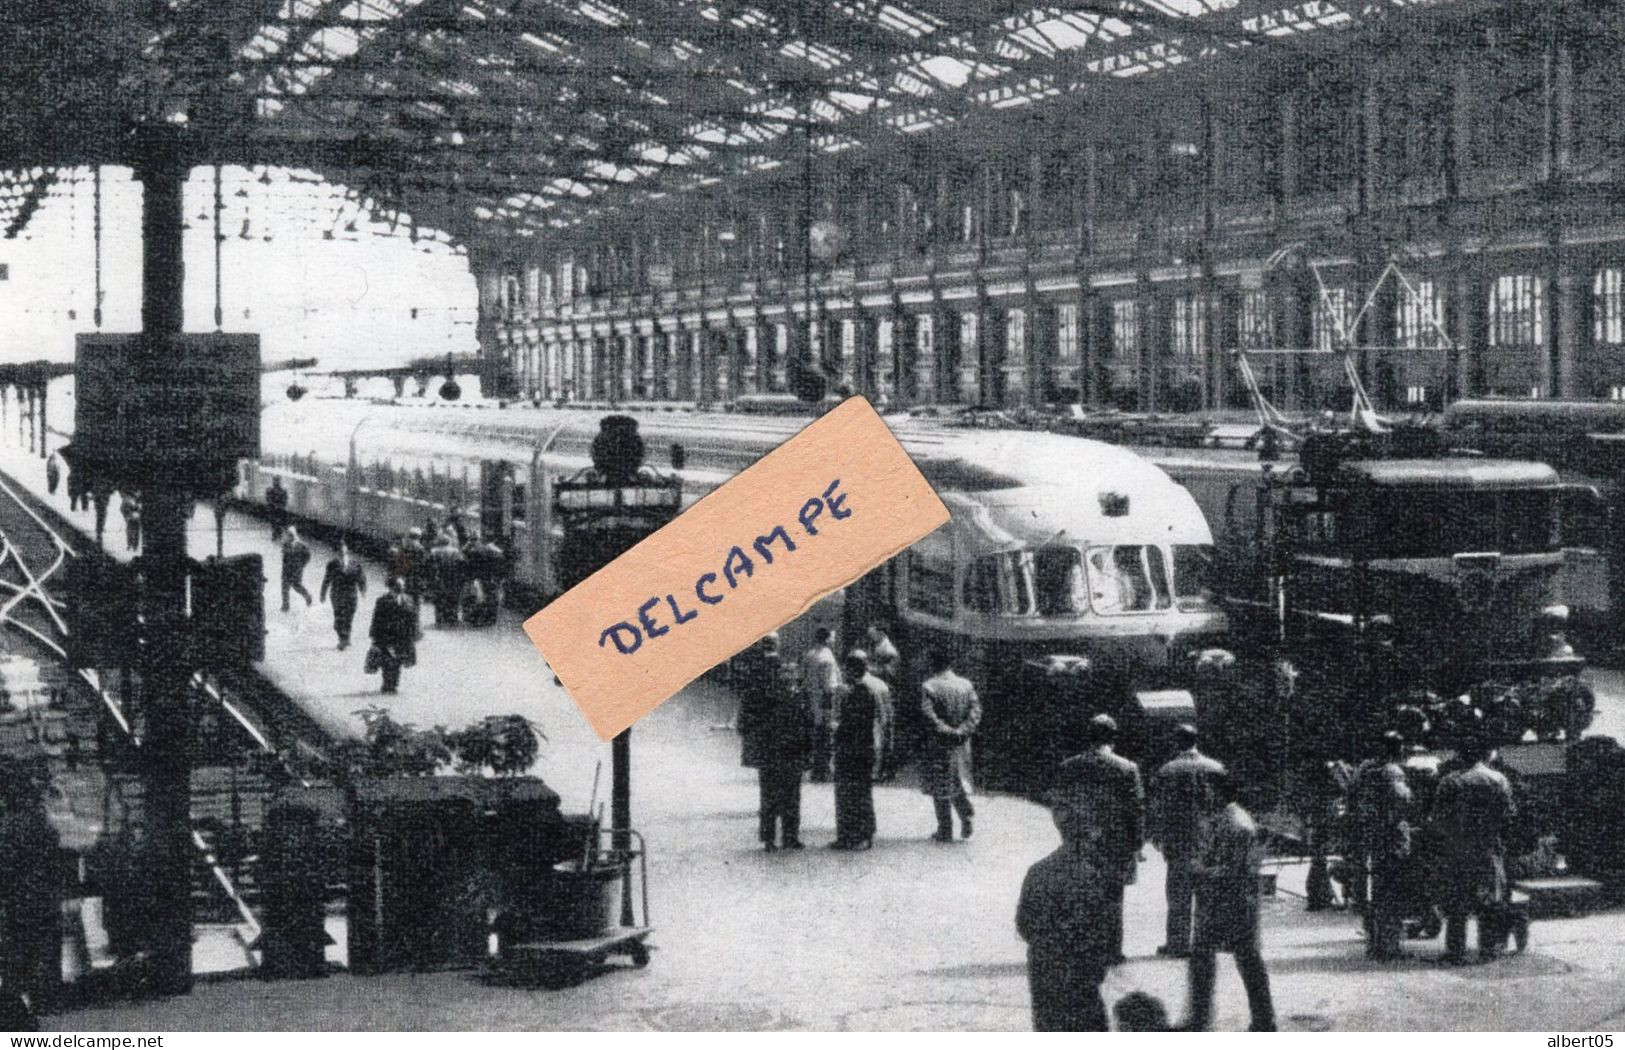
x=1442, y=524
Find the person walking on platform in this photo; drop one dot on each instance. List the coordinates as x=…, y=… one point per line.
x=775, y=726
x=1180, y=794
x=820, y=681
x=53, y=473
x=952, y=711
x=487, y=566
x=276, y=507
x=1068, y=947
x=1472, y=814
x=343, y=584
x=101, y=496
x=1382, y=801
x=394, y=635
x=295, y=556
x=1226, y=872
x=860, y=727
x=130, y=507
x=1104, y=788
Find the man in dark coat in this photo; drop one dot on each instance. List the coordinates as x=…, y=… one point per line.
x=487, y=565
x=276, y=507
x=1180, y=794
x=952, y=711
x=860, y=729
x=394, y=633
x=1104, y=788
x=1068, y=947
x=1382, y=802
x=1472, y=814
x=446, y=569
x=776, y=725
x=295, y=556
x=343, y=583
x=1226, y=873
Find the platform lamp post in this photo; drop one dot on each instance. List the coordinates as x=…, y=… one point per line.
x=606, y=511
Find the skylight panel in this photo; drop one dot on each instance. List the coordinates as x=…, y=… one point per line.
x=685, y=50
x=474, y=12
x=601, y=13
x=902, y=20
x=946, y=69
x=818, y=54
x=750, y=18
x=852, y=101
x=540, y=44
x=461, y=88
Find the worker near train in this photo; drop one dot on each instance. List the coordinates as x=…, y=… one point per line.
x=952, y=713
x=1181, y=793
x=447, y=565
x=820, y=682
x=343, y=583
x=130, y=508
x=775, y=726
x=862, y=712
x=1068, y=947
x=1382, y=808
x=1472, y=817
x=1226, y=870
x=394, y=634
x=886, y=664
x=295, y=556
x=276, y=507
x=488, y=569
x=1104, y=788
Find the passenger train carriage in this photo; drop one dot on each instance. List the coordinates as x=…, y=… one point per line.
x=1058, y=547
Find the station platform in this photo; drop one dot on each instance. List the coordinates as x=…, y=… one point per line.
x=910, y=936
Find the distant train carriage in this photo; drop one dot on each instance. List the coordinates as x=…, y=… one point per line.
x=1060, y=550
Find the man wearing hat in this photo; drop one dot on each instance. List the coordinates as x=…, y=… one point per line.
x=1181, y=792
x=1103, y=788
x=1382, y=804
x=776, y=726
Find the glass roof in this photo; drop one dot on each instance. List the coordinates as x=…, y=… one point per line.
x=527, y=114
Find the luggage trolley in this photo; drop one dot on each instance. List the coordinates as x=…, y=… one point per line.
x=575, y=932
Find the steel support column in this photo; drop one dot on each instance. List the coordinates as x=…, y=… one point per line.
x=165, y=673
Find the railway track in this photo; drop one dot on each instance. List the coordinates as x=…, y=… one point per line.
x=35, y=552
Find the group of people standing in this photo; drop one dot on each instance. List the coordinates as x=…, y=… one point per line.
x=1071, y=910
x=462, y=574
x=1408, y=857
x=838, y=718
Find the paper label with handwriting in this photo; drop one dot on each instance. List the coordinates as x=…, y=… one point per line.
x=812, y=516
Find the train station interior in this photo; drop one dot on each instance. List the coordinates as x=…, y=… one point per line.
x=1269, y=356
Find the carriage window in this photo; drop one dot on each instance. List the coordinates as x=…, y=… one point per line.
x=521, y=502
x=930, y=586
x=1060, y=582
x=1193, y=575
x=1000, y=584
x=1128, y=578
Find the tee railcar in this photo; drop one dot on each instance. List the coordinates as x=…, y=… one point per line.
x=1058, y=546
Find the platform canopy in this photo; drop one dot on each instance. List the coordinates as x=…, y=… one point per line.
x=508, y=117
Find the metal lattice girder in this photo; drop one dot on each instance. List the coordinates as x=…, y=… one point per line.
x=461, y=103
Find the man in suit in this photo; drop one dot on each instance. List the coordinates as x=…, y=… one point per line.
x=1068, y=948
x=1180, y=792
x=343, y=584
x=776, y=726
x=394, y=633
x=1103, y=788
x=1226, y=872
x=1382, y=803
x=952, y=711
x=295, y=556
x=1472, y=815
x=861, y=714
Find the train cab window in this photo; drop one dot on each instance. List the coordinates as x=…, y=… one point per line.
x=1000, y=584
x=1193, y=575
x=1058, y=577
x=930, y=586
x=1128, y=578
x=520, y=504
